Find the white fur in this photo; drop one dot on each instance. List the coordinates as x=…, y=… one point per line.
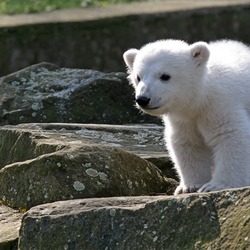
x=205, y=106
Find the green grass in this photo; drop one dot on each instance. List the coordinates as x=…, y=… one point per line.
x=33, y=6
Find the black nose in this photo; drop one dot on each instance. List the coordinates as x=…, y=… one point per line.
x=142, y=101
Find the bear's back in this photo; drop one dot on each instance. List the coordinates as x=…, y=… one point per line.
x=229, y=73
x=229, y=54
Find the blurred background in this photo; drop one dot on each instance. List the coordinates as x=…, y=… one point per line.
x=34, y=6
x=93, y=34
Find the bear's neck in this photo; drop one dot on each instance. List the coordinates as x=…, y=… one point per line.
x=192, y=104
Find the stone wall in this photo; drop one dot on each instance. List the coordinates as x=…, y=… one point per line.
x=100, y=44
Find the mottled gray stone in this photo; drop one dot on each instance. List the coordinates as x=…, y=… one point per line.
x=42, y=163
x=47, y=93
x=217, y=220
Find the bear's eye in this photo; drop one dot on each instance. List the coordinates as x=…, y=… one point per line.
x=138, y=79
x=165, y=77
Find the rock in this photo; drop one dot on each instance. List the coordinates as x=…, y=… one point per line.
x=10, y=222
x=217, y=220
x=42, y=163
x=46, y=93
x=64, y=162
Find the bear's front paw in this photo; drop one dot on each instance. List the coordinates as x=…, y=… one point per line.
x=183, y=189
x=213, y=186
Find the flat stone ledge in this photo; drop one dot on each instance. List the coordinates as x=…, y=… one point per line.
x=132, y=138
x=189, y=221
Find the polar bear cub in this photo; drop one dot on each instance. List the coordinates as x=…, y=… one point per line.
x=202, y=92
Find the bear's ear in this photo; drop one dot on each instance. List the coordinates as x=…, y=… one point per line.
x=129, y=57
x=200, y=52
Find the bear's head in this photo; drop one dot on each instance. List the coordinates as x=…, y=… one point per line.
x=167, y=75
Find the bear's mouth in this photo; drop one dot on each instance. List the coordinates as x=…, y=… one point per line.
x=151, y=108
x=148, y=109
x=155, y=111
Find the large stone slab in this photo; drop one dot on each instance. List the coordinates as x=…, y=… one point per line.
x=219, y=220
x=144, y=140
x=42, y=163
x=47, y=93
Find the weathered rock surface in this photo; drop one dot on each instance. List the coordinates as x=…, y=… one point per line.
x=65, y=162
x=218, y=220
x=42, y=163
x=10, y=222
x=46, y=93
